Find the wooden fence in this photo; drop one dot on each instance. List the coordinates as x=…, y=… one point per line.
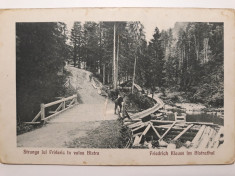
x=64, y=104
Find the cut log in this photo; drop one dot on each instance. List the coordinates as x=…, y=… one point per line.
x=135, y=124
x=161, y=121
x=32, y=123
x=126, y=123
x=135, y=129
x=167, y=131
x=186, y=129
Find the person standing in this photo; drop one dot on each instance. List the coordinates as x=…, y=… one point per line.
x=118, y=103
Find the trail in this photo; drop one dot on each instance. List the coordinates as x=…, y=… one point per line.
x=73, y=123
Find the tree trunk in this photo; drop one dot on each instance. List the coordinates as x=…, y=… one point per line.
x=74, y=56
x=114, y=57
x=79, y=54
x=133, y=79
x=103, y=74
x=117, y=60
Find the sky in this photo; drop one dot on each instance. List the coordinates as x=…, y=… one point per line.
x=149, y=26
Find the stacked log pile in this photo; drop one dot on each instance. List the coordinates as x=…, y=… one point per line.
x=150, y=130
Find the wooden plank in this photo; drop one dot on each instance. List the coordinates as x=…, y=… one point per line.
x=211, y=137
x=32, y=123
x=71, y=102
x=186, y=129
x=176, y=128
x=162, y=121
x=163, y=126
x=149, y=111
x=217, y=137
x=214, y=138
x=36, y=117
x=63, y=104
x=158, y=135
x=202, y=123
x=42, y=111
x=205, y=138
x=60, y=101
x=59, y=107
x=146, y=130
x=198, y=135
x=57, y=113
x=135, y=129
x=135, y=125
x=167, y=131
x=197, y=143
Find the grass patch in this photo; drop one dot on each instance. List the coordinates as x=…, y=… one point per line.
x=109, y=134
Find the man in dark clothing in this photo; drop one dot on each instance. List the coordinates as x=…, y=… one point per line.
x=90, y=76
x=118, y=102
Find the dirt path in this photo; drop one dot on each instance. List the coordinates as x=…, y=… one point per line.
x=75, y=122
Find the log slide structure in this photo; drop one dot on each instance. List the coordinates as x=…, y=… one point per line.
x=149, y=130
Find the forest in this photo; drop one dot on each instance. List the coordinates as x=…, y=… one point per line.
x=188, y=58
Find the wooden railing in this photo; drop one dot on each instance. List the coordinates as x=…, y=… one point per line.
x=71, y=101
x=159, y=104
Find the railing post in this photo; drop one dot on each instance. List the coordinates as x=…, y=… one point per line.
x=63, y=103
x=42, y=111
x=76, y=98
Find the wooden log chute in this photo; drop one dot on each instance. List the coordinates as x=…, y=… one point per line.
x=190, y=134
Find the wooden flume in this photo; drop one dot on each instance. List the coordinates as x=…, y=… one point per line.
x=159, y=133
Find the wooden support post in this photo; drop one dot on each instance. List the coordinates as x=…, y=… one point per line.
x=146, y=129
x=63, y=103
x=42, y=111
x=76, y=99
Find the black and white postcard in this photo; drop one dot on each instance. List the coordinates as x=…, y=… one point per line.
x=117, y=86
